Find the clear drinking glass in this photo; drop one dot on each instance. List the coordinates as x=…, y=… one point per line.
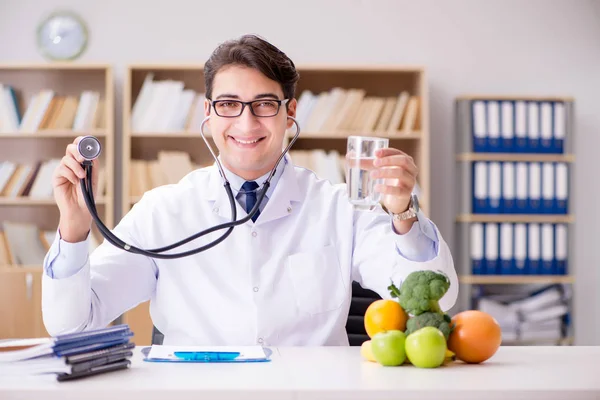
x=360, y=156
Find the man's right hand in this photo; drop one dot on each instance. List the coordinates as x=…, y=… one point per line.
x=75, y=218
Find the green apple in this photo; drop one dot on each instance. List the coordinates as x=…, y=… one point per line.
x=388, y=347
x=426, y=347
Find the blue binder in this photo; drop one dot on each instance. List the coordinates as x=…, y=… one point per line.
x=533, y=249
x=494, y=144
x=479, y=126
x=548, y=188
x=521, y=188
x=507, y=126
x=492, y=251
x=508, y=200
x=507, y=253
x=562, y=188
x=520, y=248
x=561, y=248
x=520, y=143
x=480, y=187
x=477, y=248
x=546, y=136
x=80, y=342
x=533, y=127
x=559, y=126
x=547, y=266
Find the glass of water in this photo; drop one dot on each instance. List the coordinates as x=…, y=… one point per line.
x=360, y=156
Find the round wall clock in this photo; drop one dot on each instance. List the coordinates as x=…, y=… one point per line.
x=62, y=36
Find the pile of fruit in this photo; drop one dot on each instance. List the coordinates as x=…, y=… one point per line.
x=411, y=328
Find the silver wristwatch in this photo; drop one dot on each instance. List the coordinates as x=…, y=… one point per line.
x=413, y=209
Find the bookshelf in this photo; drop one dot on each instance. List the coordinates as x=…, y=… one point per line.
x=514, y=216
x=43, y=108
x=334, y=101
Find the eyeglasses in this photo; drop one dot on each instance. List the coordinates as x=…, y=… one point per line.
x=259, y=108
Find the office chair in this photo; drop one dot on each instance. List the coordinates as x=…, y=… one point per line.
x=157, y=336
x=355, y=326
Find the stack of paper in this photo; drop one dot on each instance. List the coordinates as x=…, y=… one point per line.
x=69, y=356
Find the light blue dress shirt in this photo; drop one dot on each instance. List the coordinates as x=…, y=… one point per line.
x=65, y=259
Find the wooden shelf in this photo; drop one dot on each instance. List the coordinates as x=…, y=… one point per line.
x=534, y=218
x=515, y=279
x=51, y=134
x=42, y=141
x=516, y=157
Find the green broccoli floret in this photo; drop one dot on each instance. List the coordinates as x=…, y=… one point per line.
x=441, y=321
x=421, y=291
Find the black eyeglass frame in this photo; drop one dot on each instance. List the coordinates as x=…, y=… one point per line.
x=279, y=102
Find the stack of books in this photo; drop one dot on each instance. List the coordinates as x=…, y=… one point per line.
x=69, y=356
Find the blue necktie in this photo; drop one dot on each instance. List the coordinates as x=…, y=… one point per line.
x=249, y=187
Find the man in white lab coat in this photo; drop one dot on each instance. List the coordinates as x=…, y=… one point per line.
x=282, y=279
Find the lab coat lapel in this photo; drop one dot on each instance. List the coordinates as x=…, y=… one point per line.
x=216, y=192
x=285, y=193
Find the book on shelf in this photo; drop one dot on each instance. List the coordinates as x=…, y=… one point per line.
x=328, y=165
x=51, y=110
x=169, y=167
x=167, y=106
x=25, y=244
x=33, y=180
x=352, y=110
x=527, y=313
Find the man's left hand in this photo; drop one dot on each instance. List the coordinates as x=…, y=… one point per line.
x=399, y=172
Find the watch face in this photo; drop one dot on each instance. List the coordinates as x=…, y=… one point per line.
x=62, y=36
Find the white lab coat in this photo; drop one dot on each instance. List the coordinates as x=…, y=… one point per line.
x=284, y=280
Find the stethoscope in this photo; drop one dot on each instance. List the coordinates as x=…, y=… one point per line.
x=89, y=147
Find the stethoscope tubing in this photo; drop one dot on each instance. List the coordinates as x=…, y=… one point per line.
x=86, y=188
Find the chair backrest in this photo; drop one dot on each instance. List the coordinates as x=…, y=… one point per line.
x=355, y=326
x=157, y=336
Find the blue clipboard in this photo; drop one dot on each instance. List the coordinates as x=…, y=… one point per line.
x=207, y=357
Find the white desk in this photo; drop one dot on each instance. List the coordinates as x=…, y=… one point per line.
x=336, y=373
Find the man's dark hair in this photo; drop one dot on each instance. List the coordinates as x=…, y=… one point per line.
x=253, y=52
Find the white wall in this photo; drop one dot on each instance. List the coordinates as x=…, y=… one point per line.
x=509, y=46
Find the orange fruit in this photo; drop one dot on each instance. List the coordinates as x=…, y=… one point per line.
x=476, y=336
x=384, y=315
